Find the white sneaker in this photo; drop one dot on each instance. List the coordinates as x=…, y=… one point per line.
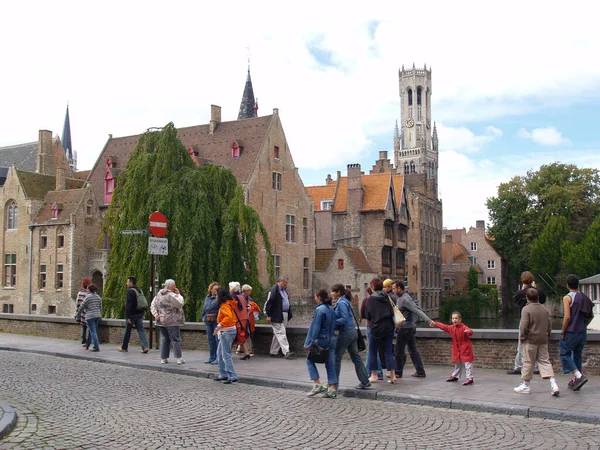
x=555, y=391
x=180, y=361
x=523, y=389
x=164, y=361
x=317, y=389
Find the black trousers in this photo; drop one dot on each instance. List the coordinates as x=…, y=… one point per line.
x=406, y=337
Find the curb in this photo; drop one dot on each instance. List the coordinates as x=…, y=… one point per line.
x=368, y=394
x=8, y=418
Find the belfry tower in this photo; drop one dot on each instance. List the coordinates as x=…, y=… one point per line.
x=416, y=146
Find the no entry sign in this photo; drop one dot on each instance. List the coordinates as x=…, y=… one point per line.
x=157, y=223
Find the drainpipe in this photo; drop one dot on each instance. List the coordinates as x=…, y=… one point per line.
x=31, y=227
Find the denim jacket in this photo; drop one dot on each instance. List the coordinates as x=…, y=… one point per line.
x=344, y=320
x=211, y=306
x=322, y=326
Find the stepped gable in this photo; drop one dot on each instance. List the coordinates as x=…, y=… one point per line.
x=23, y=156
x=212, y=148
x=36, y=185
x=68, y=201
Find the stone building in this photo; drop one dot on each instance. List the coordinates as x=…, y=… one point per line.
x=361, y=228
x=256, y=150
x=416, y=157
x=456, y=264
x=492, y=267
x=50, y=224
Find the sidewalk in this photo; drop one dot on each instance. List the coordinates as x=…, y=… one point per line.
x=492, y=391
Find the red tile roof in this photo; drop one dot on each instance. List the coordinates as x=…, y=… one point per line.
x=319, y=193
x=323, y=258
x=69, y=200
x=357, y=257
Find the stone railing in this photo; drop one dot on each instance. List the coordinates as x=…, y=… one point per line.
x=494, y=349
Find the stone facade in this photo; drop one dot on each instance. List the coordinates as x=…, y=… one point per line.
x=50, y=225
x=258, y=154
x=492, y=267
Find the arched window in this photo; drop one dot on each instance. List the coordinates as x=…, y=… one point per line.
x=406, y=169
x=12, y=216
x=419, y=90
x=410, y=97
x=412, y=167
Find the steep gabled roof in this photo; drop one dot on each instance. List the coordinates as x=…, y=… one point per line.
x=36, y=185
x=323, y=258
x=23, y=156
x=70, y=200
x=214, y=148
x=398, y=181
x=248, y=101
x=357, y=257
x=340, y=202
x=320, y=193
x=376, y=192
x=455, y=254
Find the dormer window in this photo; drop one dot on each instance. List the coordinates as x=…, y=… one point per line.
x=110, y=179
x=235, y=149
x=326, y=205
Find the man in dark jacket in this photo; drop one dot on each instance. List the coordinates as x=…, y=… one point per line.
x=279, y=312
x=133, y=317
x=520, y=299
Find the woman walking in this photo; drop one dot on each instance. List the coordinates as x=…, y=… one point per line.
x=321, y=332
x=379, y=311
x=253, y=315
x=347, y=336
x=81, y=318
x=91, y=307
x=209, y=317
x=167, y=309
x=227, y=331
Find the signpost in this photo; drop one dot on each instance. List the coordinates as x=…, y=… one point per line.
x=158, y=225
x=134, y=231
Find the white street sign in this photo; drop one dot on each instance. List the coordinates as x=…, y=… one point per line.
x=158, y=246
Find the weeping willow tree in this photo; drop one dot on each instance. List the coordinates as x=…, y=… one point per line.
x=213, y=235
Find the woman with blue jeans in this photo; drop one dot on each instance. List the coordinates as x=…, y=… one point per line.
x=227, y=331
x=91, y=306
x=321, y=331
x=209, y=317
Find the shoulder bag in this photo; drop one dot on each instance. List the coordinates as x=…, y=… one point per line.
x=398, y=316
x=242, y=333
x=318, y=354
x=360, y=339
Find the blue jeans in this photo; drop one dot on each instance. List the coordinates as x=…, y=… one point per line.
x=84, y=332
x=313, y=372
x=93, y=333
x=373, y=350
x=168, y=336
x=138, y=322
x=226, y=369
x=571, y=351
x=346, y=340
x=384, y=344
x=212, y=340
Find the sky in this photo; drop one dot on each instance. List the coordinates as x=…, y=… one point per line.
x=515, y=85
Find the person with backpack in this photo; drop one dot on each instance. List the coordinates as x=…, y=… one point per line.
x=135, y=308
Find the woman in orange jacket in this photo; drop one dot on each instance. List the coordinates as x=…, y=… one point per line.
x=226, y=331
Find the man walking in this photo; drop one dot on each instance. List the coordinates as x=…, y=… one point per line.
x=133, y=317
x=578, y=314
x=407, y=333
x=279, y=312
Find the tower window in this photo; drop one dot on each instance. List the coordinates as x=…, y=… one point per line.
x=410, y=97
x=406, y=169
x=419, y=90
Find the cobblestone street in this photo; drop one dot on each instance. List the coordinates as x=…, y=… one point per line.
x=68, y=403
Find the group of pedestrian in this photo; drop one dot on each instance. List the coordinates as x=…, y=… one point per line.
x=535, y=329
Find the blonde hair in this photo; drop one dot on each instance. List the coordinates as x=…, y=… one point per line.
x=246, y=287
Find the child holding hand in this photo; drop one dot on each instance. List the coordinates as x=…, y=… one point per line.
x=462, y=349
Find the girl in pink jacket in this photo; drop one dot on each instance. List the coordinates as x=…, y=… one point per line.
x=462, y=349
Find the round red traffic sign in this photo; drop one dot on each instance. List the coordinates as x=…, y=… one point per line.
x=157, y=223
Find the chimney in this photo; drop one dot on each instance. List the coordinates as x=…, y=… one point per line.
x=448, y=239
x=215, y=118
x=275, y=111
x=45, y=154
x=480, y=224
x=383, y=154
x=61, y=182
x=353, y=176
x=328, y=180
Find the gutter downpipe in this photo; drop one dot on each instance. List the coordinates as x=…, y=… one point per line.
x=31, y=227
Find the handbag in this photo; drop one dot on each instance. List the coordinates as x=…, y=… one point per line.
x=318, y=354
x=360, y=339
x=242, y=333
x=398, y=316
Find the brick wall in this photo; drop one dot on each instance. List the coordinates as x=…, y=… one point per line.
x=494, y=349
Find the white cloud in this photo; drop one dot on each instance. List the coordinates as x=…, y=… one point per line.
x=461, y=139
x=549, y=136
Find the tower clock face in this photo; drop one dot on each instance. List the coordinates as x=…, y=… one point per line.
x=409, y=122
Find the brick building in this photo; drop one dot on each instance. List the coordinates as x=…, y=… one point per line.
x=50, y=224
x=492, y=267
x=361, y=228
x=255, y=149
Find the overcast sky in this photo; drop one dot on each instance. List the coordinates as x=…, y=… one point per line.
x=515, y=84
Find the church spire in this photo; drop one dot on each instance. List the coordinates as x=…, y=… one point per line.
x=396, y=137
x=248, y=106
x=66, y=139
x=435, y=138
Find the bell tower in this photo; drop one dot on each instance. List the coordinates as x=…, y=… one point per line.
x=416, y=149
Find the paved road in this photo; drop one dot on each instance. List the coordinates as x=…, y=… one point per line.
x=68, y=403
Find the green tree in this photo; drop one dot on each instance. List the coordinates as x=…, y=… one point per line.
x=213, y=235
x=472, y=278
x=582, y=258
x=546, y=255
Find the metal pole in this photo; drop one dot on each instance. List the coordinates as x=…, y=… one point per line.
x=156, y=289
x=152, y=295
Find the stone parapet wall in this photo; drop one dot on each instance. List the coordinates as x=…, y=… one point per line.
x=494, y=349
